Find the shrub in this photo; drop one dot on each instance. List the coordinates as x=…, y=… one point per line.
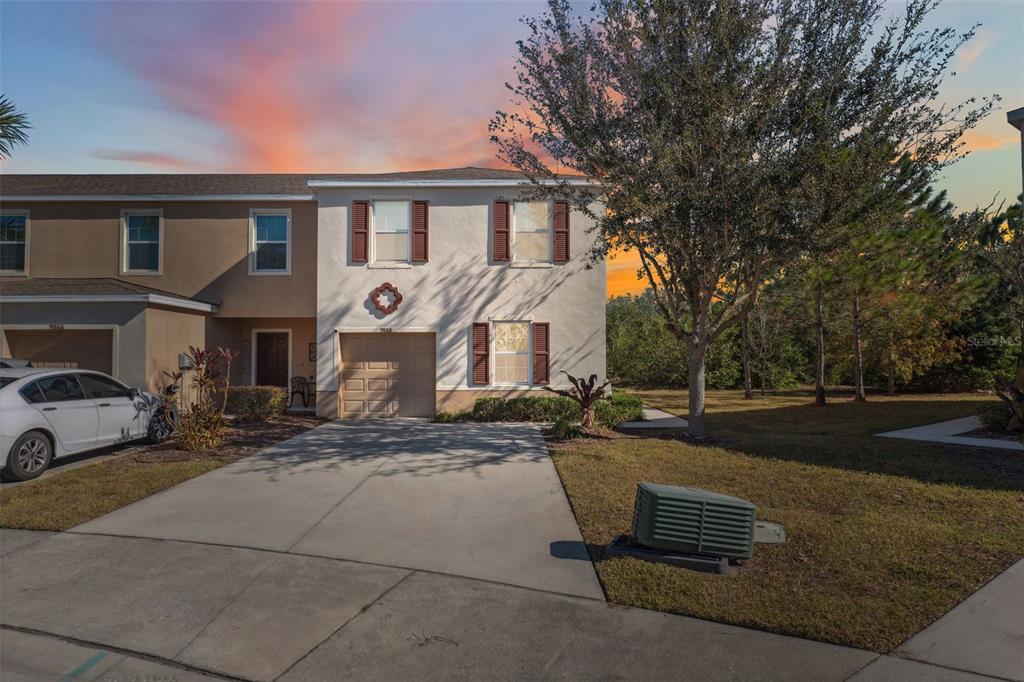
x=622, y=407
x=256, y=403
x=201, y=425
x=995, y=418
x=565, y=429
x=525, y=409
x=453, y=417
x=609, y=413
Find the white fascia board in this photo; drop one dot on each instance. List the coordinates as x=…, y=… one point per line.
x=374, y=184
x=160, y=197
x=156, y=299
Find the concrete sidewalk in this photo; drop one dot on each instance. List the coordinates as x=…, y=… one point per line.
x=262, y=615
x=476, y=500
x=948, y=432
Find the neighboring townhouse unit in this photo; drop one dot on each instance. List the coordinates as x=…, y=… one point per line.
x=396, y=294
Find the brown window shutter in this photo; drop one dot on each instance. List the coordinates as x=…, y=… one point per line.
x=360, y=226
x=481, y=375
x=501, y=236
x=541, y=352
x=561, y=230
x=420, y=232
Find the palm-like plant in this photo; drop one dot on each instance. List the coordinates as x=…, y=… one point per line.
x=13, y=127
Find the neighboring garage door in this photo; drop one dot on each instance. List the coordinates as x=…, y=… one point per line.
x=77, y=348
x=387, y=375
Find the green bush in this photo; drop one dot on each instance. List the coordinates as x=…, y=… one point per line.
x=453, y=417
x=565, y=429
x=995, y=418
x=621, y=407
x=256, y=403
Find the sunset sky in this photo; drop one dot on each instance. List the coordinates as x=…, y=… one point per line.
x=369, y=86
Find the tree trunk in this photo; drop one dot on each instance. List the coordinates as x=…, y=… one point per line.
x=819, y=351
x=695, y=417
x=587, y=416
x=858, y=355
x=1020, y=358
x=891, y=364
x=748, y=384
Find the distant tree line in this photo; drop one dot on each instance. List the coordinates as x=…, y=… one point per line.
x=928, y=300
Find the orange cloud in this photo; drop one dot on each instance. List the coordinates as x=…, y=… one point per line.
x=143, y=157
x=977, y=141
x=622, y=267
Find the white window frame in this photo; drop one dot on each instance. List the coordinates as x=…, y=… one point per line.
x=28, y=234
x=253, y=212
x=493, y=353
x=372, y=260
x=125, y=214
x=551, y=235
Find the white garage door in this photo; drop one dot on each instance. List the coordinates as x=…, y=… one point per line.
x=387, y=375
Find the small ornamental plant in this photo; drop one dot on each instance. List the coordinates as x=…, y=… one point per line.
x=1012, y=395
x=201, y=425
x=586, y=393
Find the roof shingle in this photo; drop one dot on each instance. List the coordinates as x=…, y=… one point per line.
x=199, y=184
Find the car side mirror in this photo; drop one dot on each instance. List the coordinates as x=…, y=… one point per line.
x=134, y=392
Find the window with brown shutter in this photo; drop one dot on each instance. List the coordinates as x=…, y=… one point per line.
x=541, y=352
x=481, y=372
x=360, y=230
x=420, y=232
x=500, y=235
x=561, y=231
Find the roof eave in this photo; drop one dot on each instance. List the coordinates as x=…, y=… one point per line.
x=154, y=299
x=158, y=197
x=1016, y=118
x=376, y=184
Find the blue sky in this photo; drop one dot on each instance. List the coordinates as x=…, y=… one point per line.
x=291, y=86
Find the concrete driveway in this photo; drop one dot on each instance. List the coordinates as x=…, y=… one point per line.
x=473, y=500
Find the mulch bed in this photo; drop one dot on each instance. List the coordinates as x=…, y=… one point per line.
x=241, y=439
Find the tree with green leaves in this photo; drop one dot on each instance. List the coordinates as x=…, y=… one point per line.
x=1001, y=245
x=716, y=128
x=13, y=127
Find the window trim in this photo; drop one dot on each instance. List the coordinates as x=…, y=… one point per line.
x=371, y=260
x=125, y=269
x=514, y=261
x=253, y=213
x=493, y=354
x=28, y=236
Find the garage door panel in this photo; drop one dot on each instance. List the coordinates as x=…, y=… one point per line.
x=71, y=348
x=387, y=374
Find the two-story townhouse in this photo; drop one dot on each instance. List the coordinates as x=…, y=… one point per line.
x=397, y=293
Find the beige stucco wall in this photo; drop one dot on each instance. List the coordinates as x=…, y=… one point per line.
x=459, y=286
x=206, y=246
x=127, y=320
x=168, y=333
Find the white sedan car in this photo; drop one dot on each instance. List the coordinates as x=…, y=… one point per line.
x=48, y=413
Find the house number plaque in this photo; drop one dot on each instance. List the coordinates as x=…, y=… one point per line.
x=386, y=298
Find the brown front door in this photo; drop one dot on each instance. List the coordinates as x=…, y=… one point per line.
x=272, y=359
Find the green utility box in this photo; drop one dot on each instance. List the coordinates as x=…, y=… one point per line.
x=694, y=521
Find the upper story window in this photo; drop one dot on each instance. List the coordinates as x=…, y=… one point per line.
x=142, y=236
x=531, y=232
x=391, y=229
x=511, y=353
x=270, y=250
x=13, y=242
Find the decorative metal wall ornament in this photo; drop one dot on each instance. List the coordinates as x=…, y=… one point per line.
x=386, y=298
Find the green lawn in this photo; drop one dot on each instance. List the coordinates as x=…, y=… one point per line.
x=884, y=535
x=69, y=498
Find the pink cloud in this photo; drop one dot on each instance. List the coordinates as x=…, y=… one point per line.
x=313, y=86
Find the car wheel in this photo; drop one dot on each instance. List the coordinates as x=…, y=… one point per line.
x=29, y=457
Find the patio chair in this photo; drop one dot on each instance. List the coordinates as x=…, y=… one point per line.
x=299, y=387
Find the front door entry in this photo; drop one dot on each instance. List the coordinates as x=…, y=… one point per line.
x=272, y=359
